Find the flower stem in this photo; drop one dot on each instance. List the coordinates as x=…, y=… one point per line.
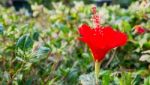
x=97, y=69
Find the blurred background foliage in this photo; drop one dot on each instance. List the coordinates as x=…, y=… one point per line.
x=47, y=3
x=44, y=49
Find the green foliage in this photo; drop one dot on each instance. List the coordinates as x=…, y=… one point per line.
x=1, y=29
x=24, y=42
x=44, y=49
x=106, y=77
x=126, y=79
x=147, y=81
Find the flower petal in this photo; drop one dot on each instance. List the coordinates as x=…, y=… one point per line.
x=101, y=39
x=85, y=30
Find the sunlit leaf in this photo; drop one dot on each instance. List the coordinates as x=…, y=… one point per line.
x=87, y=79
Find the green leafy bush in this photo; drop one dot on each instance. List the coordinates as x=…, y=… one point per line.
x=45, y=50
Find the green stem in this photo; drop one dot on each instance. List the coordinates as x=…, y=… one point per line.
x=97, y=69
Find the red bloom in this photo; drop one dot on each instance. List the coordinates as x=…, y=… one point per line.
x=101, y=39
x=139, y=29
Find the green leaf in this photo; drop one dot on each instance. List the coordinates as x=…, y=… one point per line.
x=63, y=28
x=1, y=29
x=147, y=81
x=24, y=42
x=106, y=78
x=137, y=80
x=73, y=75
x=145, y=57
x=36, y=36
x=27, y=66
x=29, y=81
x=87, y=79
x=126, y=79
x=20, y=59
x=42, y=50
x=126, y=26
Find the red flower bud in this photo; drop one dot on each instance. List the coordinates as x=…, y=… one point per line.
x=139, y=29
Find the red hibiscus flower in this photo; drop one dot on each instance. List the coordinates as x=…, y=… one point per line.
x=139, y=29
x=101, y=39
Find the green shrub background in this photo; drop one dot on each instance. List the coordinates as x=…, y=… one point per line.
x=45, y=50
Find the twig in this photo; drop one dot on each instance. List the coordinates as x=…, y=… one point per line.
x=111, y=58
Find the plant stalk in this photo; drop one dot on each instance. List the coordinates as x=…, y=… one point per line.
x=97, y=69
